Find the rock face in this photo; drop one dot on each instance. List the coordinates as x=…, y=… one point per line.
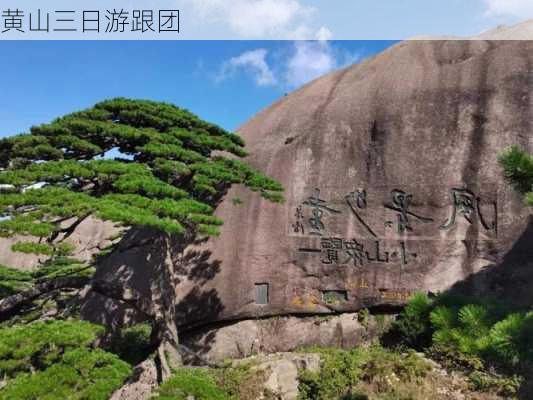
x=284, y=334
x=88, y=238
x=392, y=186
x=281, y=372
x=141, y=385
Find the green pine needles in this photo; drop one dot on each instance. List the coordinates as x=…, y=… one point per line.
x=484, y=328
x=57, y=360
x=518, y=169
x=133, y=162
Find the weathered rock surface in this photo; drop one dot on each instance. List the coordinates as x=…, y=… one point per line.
x=425, y=119
x=283, y=334
x=141, y=385
x=277, y=374
x=520, y=31
x=281, y=371
x=88, y=238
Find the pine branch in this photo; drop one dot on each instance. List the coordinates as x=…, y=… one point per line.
x=12, y=302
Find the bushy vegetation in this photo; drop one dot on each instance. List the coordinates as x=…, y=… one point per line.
x=196, y=382
x=231, y=382
x=477, y=327
x=413, y=328
x=13, y=280
x=518, y=169
x=474, y=335
x=243, y=382
x=132, y=344
x=365, y=373
x=56, y=360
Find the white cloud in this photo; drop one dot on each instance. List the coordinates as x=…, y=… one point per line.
x=268, y=18
x=296, y=65
x=324, y=34
x=514, y=8
x=253, y=62
x=311, y=60
x=287, y=19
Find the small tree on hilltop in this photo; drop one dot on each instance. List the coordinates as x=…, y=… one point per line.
x=133, y=162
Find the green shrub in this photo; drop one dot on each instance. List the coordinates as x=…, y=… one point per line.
x=37, y=346
x=503, y=386
x=480, y=327
x=475, y=335
x=54, y=360
x=451, y=358
x=81, y=374
x=518, y=168
x=196, y=382
x=511, y=339
x=231, y=382
x=339, y=373
x=474, y=330
x=413, y=326
x=242, y=382
x=132, y=344
x=466, y=329
x=351, y=374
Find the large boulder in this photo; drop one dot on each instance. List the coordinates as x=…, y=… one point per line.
x=392, y=186
x=284, y=334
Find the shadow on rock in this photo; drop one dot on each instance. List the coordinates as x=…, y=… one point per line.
x=139, y=267
x=511, y=280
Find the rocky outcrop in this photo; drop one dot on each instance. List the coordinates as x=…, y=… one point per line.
x=274, y=374
x=392, y=186
x=142, y=384
x=283, y=334
x=280, y=372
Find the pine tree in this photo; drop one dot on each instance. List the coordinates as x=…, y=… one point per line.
x=136, y=163
x=518, y=169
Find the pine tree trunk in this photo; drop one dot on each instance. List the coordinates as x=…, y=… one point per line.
x=166, y=334
x=165, y=331
x=160, y=308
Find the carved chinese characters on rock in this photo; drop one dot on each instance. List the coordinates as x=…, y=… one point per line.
x=317, y=207
x=387, y=226
x=337, y=251
x=468, y=205
x=401, y=202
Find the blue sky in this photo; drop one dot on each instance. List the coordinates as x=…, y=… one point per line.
x=348, y=19
x=225, y=82
x=300, y=19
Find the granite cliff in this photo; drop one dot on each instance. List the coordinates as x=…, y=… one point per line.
x=392, y=186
